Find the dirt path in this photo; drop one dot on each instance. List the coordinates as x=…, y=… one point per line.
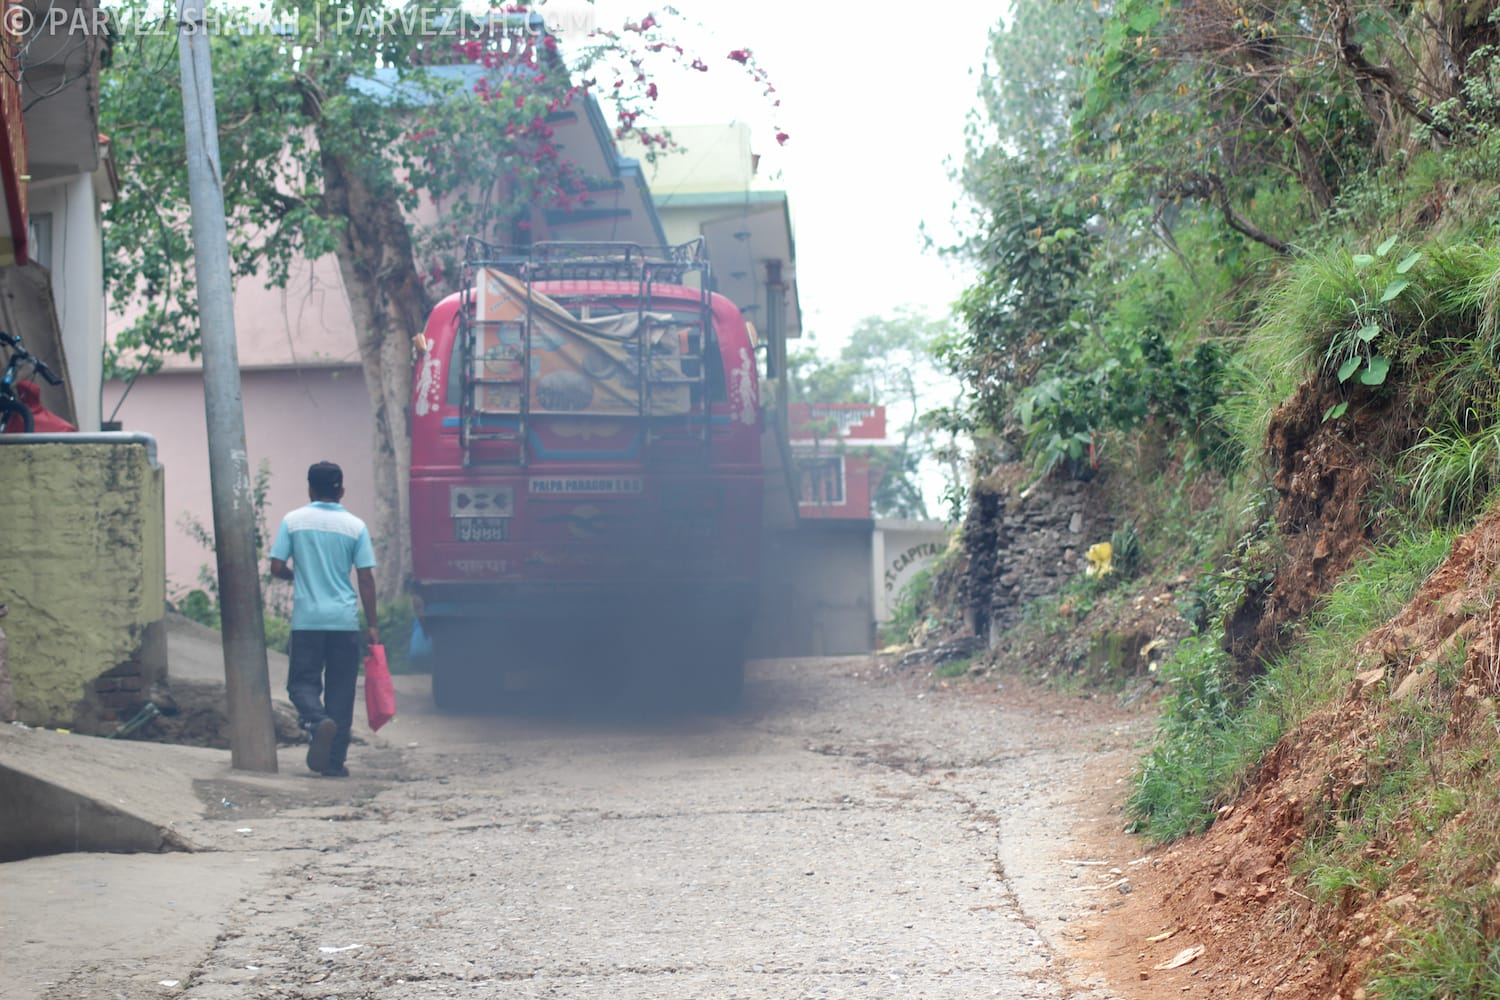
x=849, y=833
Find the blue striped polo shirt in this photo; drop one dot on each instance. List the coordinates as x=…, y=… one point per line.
x=323, y=541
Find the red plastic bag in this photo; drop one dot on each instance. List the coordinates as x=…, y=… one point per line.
x=380, y=694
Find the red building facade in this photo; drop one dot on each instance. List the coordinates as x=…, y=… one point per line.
x=831, y=444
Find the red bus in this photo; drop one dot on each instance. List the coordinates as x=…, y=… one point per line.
x=586, y=476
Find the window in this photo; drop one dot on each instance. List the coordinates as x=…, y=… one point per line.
x=822, y=480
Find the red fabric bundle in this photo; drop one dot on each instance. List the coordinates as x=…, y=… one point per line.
x=47, y=422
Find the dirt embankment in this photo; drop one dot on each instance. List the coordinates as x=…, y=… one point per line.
x=1263, y=927
x=1324, y=471
x=1239, y=911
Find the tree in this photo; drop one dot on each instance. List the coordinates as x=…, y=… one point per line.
x=887, y=359
x=1031, y=233
x=1137, y=161
x=335, y=126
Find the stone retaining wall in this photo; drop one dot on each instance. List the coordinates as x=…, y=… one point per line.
x=1024, y=546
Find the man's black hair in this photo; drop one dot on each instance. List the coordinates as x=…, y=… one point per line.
x=325, y=480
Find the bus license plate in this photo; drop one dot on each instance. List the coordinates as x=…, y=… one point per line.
x=481, y=529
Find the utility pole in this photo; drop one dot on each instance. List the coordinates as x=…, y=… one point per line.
x=247, y=683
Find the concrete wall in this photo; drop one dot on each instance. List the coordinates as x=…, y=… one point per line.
x=73, y=234
x=712, y=158
x=293, y=418
x=28, y=308
x=306, y=324
x=82, y=573
x=816, y=595
x=901, y=550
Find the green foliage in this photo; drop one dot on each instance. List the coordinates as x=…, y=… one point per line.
x=1423, y=320
x=1424, y=815
x=1307, y=189
x=1078, y=324
x=396, y=620
x=1457, y=955
x=1471, y=112
x=886, y=360
x=1127, y=553
x=267, y=172
x=955, y=497
x=1059, y=615
x=1032, y=237
x=1452, y=471
x=1200, y=140
x=1064, y=413
x=910, y=606
x=1022, y=309
x=1354, y=350
x=1219, y=106
x=1198, y=745
x=202, y=604
x=953, y=668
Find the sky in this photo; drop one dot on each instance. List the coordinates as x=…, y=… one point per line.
x=874, y=97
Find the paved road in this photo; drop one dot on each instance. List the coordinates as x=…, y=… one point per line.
x=846, y=834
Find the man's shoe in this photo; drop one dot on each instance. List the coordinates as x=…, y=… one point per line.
x=336, y=771
x=322, y=745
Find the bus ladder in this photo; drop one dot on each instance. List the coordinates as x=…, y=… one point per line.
x=690, y=361
x=488, y=424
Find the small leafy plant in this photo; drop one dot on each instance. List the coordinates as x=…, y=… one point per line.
x=1355, y=350
x=202, y=605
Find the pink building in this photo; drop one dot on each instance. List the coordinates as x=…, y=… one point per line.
x=304, y=400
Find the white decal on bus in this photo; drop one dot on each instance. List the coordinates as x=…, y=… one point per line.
x=618, y=485
x=742, y=388
x=429, y=386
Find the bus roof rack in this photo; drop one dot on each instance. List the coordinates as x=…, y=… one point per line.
x=590, y=261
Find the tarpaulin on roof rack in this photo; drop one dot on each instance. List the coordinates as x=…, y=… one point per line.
x=581, y=366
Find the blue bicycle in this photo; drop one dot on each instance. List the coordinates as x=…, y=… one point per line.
x=12, y=406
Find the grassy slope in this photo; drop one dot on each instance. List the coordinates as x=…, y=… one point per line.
x=1371, y=384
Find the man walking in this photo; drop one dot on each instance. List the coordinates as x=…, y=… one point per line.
x=316, y=547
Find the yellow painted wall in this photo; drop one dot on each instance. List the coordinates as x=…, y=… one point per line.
x=82, y=567
x=710, y=158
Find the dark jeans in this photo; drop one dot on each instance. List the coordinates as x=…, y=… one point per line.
x=322, y=670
